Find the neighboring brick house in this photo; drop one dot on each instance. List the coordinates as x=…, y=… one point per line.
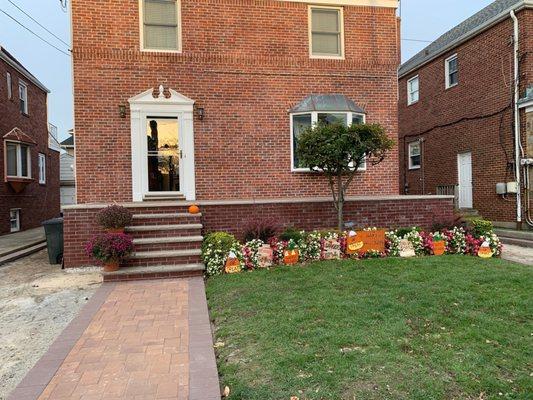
x=456, y=113
x=29, y=154
x=240, y=79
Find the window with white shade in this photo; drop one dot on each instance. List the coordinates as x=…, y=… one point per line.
x=18, y=163
x=300, y=122
x=415, y=155
x=326, y=32
x=9, y=86
x=42, y=168
x=14, y=219
x=23, y=96
x=161, y=25
x=452, y=71
x=413, y=86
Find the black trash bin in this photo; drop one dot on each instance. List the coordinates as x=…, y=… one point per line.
x=53, y=228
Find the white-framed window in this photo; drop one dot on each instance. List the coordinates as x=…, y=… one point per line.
x=42, y=168
x=160, y=25
x=302, y=121
x=9, y=83
x=18, y=160
x=23, y=96
x=415, y=155
x=326, y=32
x=451, y=66
x=413, y=90
x=14, y=219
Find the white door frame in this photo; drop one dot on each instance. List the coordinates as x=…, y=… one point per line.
x=466, y=192
x=177, y=106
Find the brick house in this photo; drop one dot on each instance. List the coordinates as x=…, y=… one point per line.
x=457, y=107
x=29, y=154
x=181, y=101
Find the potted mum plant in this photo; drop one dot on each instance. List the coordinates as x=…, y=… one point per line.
x=111, y=249
x=439, y=244
x=114, y=218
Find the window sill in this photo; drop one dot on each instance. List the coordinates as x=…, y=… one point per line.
x=451, y=86
x=414, y=168
x=18, y=184
x=341, y=58
x=161, y=51
x=412, y=103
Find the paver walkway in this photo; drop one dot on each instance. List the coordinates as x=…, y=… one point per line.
x=137, y=340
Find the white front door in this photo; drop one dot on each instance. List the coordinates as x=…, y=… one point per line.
x=464, y=169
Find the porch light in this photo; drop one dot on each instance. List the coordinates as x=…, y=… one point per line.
x=122, y=111
x=201, y=113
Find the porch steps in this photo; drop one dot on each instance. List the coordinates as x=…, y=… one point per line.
x=517, y=238
x=22, y=251
x=169, y=227
x=155, y=272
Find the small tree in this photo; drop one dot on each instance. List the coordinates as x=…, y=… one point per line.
x=338, y=151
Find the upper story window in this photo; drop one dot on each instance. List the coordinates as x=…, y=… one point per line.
x=452, y=71
x=413, y=93
x=160, y=29
x=23, y=96
x=18, y=160
x=415, y=155
x=42, y=168
x=9, y=86
x=326, y=34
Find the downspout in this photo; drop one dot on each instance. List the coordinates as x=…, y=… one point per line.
x=517, y=144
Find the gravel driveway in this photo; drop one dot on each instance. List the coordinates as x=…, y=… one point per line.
x=37, y=301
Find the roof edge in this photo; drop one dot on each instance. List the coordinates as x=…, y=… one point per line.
x=474, y=32
x=22, y=71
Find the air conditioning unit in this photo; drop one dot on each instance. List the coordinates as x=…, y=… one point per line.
x=501, y=188
x=512, y=187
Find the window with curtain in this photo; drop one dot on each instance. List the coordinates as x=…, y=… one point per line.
x=415, y=155
x=160, y=25
x=18, y=160
x=326, y=32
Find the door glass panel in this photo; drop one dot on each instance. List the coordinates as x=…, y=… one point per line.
x=163, y=155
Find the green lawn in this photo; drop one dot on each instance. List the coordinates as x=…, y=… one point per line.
x=451, y=327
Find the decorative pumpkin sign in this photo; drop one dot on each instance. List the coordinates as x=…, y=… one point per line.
x=406, y=249
x=373, y=240
x=233, y=265
x=194, y=209
x=353, y=243
x=291, y=257
x=332, y=249
x=485, y=250
x=439, y=247
x=265, y=256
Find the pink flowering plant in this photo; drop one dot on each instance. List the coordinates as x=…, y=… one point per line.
x=109, y=247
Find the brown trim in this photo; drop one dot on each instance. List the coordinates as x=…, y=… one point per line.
x=38, y=378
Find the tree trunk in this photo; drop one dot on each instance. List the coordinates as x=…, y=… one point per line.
x=340, y=204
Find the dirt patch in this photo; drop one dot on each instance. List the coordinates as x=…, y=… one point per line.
x=37, y=301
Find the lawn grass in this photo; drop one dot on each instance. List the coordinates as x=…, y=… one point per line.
x=452, y=327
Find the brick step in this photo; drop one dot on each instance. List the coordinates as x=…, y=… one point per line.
x=155, y=272
x=517, y=242
x=166, y=219
x=168, y=243
x=164, y=257
x=514, y=234
x=165, y=230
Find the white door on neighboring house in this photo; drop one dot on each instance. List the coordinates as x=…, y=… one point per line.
x=464, y=170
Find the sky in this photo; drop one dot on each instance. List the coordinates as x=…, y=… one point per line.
x=422, y=20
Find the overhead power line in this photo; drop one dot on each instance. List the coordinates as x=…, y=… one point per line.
x=38, y=23
x=418, y=40
x=35, y=34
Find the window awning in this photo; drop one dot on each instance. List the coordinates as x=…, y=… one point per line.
x=327, y=102
x=18, y=136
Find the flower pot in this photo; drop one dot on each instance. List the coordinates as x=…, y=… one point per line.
x=439, y=247
x=115, y=230
x=111, y=266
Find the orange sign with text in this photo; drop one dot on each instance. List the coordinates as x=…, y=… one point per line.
x=372, y=240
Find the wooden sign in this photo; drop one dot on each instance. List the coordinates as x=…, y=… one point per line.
x=265, y=256
x=372, y=240
x=439, y=247
x=485, y=251
x=233, y=265
x=291, y=257
x=353, y=243
x=406, y=248
x=332, y=249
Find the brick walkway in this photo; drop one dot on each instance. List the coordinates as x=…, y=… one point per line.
x=134, y=343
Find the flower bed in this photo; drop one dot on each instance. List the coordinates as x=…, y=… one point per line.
x=221, y=252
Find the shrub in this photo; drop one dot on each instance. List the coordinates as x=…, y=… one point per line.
x=261, y=228
x=482, y=227
x=109, y=247
x=215, y=249
x=114, y=217
x=402, y=232
x=292, y=234
x=457, y=222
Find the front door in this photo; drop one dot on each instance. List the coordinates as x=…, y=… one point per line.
x=464, y=164
x=163, y=155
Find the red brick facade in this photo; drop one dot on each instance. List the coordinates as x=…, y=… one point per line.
x=474, y=116
x=37, y=202
x=246, y=63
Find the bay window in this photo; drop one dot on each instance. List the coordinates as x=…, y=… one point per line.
x=18, y=161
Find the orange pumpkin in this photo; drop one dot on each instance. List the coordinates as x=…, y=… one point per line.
x=439, y=247
x=291, y=257
x=194, y=209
